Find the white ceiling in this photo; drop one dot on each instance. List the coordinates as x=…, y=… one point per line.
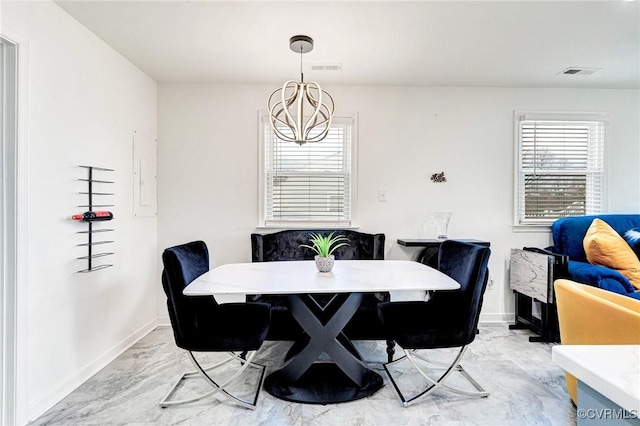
x=426, y=43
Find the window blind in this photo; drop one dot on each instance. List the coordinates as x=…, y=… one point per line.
x=561, y=168
x=310, y=182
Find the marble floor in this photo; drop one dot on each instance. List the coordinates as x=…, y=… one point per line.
x=526, y=387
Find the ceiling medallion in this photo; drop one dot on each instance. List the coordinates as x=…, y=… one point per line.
x=300, y=112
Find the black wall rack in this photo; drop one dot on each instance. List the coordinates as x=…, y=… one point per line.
x=91, y=243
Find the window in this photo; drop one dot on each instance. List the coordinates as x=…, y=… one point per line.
x=560, y=166
x=311, y=183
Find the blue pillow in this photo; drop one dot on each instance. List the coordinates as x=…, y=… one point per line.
x=632, y=236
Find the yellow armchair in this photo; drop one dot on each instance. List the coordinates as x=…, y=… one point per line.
x=592, y=316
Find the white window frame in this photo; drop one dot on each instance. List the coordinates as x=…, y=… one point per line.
x=518, y=207
x=263, y=120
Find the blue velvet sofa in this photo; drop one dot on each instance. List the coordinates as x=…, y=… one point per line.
x=568, y=234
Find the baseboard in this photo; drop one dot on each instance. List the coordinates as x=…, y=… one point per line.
x=506, y=318
x=499, y=318
x=39, y=407
x=164, y=321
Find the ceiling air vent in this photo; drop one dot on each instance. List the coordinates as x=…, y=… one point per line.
x=326, y=67
x=580, y=71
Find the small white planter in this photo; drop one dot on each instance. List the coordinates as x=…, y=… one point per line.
x=324, y=264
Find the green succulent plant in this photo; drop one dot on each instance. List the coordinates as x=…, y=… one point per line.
x=325, y=246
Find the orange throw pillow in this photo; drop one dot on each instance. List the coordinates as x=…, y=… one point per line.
x=605, y=247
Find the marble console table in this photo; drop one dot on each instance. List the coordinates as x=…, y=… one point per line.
x=608, y=381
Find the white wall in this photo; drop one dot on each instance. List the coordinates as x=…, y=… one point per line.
x=208, y=164
x=84, y=102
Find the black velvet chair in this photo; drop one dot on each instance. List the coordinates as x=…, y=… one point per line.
x=449, y=319
x=201, y=325
x=285, y=246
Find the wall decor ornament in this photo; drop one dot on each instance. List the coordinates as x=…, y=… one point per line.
x=438, y=177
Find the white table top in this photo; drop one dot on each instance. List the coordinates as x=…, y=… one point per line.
x=406, y=280
x=612, y=370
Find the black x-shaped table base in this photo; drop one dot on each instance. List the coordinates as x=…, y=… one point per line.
x=302, y=379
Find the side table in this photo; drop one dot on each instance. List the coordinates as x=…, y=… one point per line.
x=531, y=276
x=429, y=254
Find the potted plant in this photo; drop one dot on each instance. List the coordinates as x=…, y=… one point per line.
x=324, y=248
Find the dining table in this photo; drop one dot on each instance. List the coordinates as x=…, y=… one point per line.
x=322, y=366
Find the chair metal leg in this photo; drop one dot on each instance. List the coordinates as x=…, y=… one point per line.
x=435, y=383
x=202, y=372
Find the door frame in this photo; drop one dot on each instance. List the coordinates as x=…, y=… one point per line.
x=13, y=230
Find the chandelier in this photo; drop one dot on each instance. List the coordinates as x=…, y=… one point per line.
x=298, y=111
